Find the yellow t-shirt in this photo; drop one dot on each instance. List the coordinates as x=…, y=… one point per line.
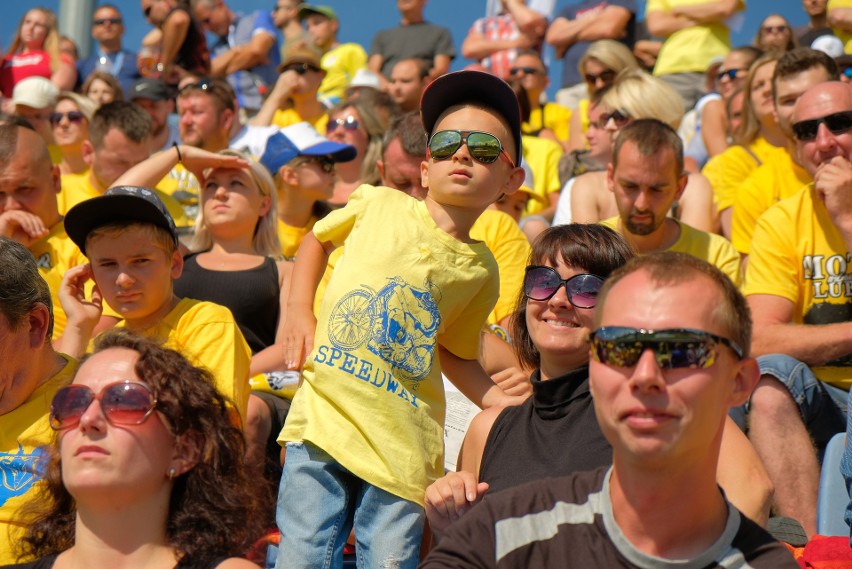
x=797, y=253
x=511, y=250
x=291, y=237
x=691, y=49
x=773, y=181
x=543, y=156
x=24, y=432
x=289, y=117
x=183, y=187
x=845, y=37
x=55, y=253
x=709, y=247
x=556, y=118
x=77, y=188
x=504, y=239
x=55, y=154
x=208, y=336
x=372, y=396
x=340, y=64
x=726, y=171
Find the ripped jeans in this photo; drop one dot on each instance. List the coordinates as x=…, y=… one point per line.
x=319, y=502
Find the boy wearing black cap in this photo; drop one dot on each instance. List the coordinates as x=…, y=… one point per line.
x=364, y=436
x=132, y=245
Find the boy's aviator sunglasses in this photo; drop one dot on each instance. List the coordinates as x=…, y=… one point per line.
x=837, y=123
x=619, y=346
x=484, y=147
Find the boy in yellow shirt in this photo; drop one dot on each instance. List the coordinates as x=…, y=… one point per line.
x=132, y=245
x=408, y=298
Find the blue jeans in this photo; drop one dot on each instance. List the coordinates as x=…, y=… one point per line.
x=846, y=466
x=822, y=406
x=319, y=502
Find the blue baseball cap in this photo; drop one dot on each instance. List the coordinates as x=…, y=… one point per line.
x=301, y=139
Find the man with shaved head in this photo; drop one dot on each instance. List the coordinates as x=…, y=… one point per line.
x=801, y=301
x=29, y=214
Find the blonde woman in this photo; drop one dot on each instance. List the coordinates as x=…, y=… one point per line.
x=759, y=139
x=599, y=66
x=638, y=95
x=34, y=52
x=362, y=126
x=70, y=124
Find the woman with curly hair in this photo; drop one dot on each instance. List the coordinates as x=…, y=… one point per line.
x=146, y=469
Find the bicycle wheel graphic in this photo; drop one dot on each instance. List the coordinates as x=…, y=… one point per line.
x=349, y=324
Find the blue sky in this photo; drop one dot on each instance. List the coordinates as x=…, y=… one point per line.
x=361, y=20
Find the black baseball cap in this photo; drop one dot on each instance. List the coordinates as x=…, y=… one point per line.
x=147, y=88
x=122, y=203
x=462, y=87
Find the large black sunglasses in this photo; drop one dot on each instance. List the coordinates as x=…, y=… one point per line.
x=300, y=68
x=837, y=123
x=619, y=346
x=541, y=283
x=731, y=74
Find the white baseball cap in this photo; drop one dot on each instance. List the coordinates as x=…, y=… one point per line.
x=35, y=92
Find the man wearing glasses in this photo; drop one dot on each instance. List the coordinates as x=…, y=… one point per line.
x=669, y=358
x=797, y=286
x=299, y=83
x=109, y=56
x=646, y=177
x=797, y=71
x=31, y=371
x=529, y=69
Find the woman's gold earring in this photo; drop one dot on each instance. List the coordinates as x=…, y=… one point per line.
x=172, y=472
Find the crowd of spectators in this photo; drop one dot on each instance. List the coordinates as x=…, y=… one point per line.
x=246, y=203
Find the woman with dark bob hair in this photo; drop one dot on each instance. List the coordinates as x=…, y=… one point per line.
x=152, y=476
x=555, y=432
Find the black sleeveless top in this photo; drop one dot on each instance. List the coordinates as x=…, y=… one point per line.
x=252, y=296
x=553, y=433
x=193, y=54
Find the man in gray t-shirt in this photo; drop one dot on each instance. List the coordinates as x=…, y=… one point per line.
x=413, y=38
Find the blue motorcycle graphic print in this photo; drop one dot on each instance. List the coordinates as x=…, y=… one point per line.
x=399, y=324
x=19, y=471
